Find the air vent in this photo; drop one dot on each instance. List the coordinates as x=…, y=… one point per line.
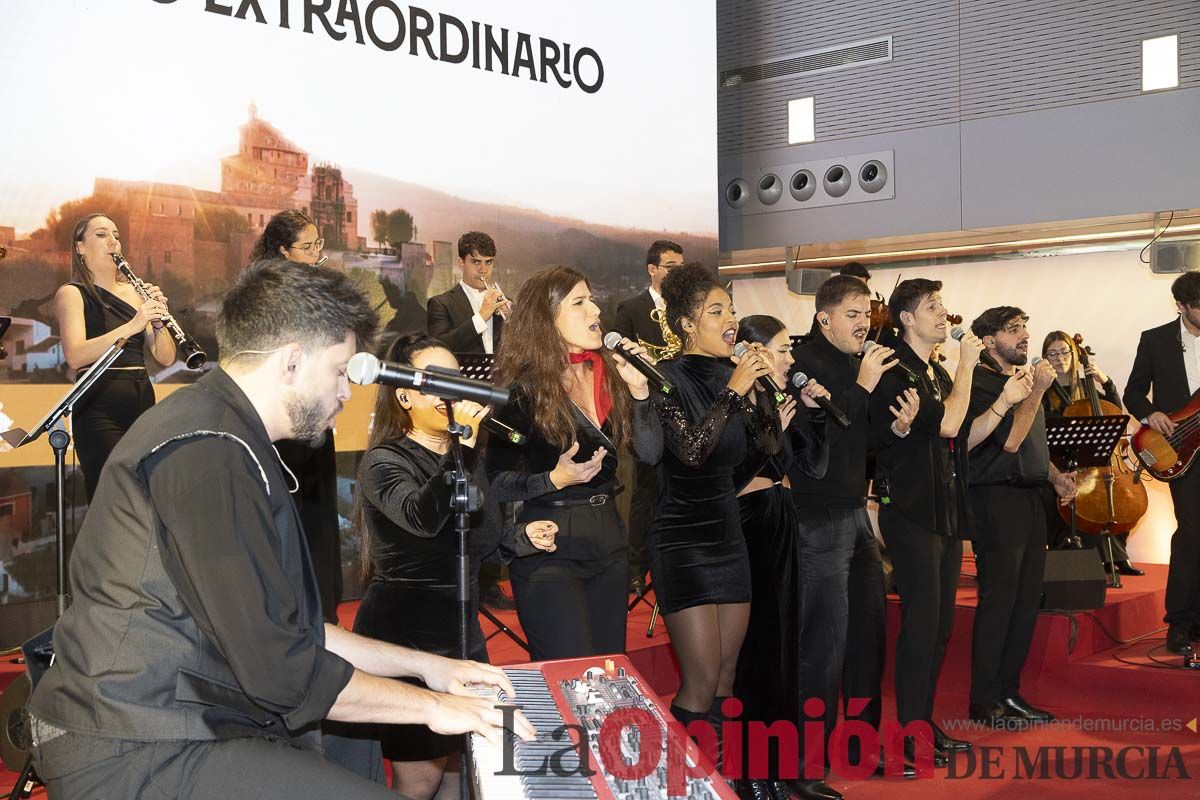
x=825, y=59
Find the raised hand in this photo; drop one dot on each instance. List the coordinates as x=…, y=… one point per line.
x=908, y=403
x=493, y=300
x=875, y=362
x=1043, y=375
x=639, y=387
x=470, y=413
x=1019, y=386
x=787, y=412
x=755, y=363
x=813, y=390
x=969, y=350
x=569, y=472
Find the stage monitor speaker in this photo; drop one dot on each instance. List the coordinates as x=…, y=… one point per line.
x=1074, y=580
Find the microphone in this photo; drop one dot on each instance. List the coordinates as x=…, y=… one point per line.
x=491, y=423
x=871, y=345
x=958, y=333
x=365, y=369
x=799, y=379
x=612, y=340
x=739, y=350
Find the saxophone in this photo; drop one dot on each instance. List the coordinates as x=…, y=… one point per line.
x=671, y=345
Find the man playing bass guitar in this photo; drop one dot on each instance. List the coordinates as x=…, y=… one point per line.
x=1167, y=364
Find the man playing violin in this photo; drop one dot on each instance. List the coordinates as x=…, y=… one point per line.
x=1167, y=366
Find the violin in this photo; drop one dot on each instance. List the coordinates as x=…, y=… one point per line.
x=1107, y=500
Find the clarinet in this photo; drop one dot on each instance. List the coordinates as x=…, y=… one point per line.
x=189, y=351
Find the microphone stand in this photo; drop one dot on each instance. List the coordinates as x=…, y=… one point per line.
x=464, y=499
x=60, y=440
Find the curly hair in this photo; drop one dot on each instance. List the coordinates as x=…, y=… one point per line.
x=533, y=359
x=684, y=290
x=282, y=230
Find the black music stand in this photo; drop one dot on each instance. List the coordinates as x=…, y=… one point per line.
x=478, y=366
x=60, y=440
x=1077, y=442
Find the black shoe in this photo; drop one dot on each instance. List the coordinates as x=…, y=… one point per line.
x=1126, y=568
x=815, y=790
x=943, y=742
x=754, y=790
x=779, y=790
x=1179, y=638
x=997, y=715
x=908, y=771
x=1018, y=706
x=495, y=599
x=940, y=757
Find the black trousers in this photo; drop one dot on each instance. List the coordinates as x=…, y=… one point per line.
x=926, y=567
x=99, y=421
x=316, y=500
x=1010, y=558
x=566, y=614
x=641, y=515
x=842, y=608
x=1183, y=578
x=82, y=767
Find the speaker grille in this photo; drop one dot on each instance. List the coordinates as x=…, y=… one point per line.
x=873, y=51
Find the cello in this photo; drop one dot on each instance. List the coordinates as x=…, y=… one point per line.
x=1108, y=499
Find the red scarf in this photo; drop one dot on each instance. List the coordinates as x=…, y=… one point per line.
x=600, y=396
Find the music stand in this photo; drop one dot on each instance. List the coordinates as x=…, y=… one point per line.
x=1077, y=442
x=60, y=440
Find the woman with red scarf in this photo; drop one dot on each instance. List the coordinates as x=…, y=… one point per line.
x=579, y=404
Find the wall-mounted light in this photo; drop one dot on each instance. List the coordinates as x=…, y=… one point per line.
x=1160, y=63
x=802, y=121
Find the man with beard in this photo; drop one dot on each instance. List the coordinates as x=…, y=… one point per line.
x=1010, y=472
x=194, y=661
x=843, y=605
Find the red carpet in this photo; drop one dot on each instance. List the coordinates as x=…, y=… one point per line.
x=1113, y=701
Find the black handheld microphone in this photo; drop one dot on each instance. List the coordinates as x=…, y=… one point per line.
x=491, y=423
x=799, y=379
x=958, y=333
x=739, y=350
x=612, y=340
x=365, y=368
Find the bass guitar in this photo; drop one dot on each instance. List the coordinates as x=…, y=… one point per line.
x=1168, y=457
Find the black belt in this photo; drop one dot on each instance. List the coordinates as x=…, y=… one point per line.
x=595, y=500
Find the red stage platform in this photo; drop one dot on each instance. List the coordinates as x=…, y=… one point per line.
x=1108, y=696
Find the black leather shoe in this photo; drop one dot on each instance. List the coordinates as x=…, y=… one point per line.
x=815, y=790
x=940, y=757
x=1126, y=568
x=753, y=790
x=997, y=715
x=1179, y=638
x=908, y=772
x=943, y=742
x=1019, y=706
x=779, y=790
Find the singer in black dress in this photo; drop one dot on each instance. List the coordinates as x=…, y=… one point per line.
x=410, y=544
x=98, y=307
x=769, y=666
x=578, y=404
x=712, y=424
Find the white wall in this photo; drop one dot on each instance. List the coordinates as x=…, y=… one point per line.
x=1108, y=297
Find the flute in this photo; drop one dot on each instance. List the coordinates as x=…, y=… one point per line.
x=190, y=352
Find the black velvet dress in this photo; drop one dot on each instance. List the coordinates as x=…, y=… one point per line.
x=697, y=549
x=769, y=662
x=411, y=599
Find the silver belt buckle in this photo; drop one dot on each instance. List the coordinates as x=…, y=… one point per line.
x=597, y=499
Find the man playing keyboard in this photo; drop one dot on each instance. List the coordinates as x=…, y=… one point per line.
x=194, y=662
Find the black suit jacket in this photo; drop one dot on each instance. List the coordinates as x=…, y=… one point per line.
x=1158, y=366
x=633, y=321
x=449, y=320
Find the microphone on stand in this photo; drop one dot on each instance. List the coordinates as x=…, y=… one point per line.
x=491, y=423
x=612, y=340
x=958, y=333
x=365, y=368
x=799, y=380
x=739, y=350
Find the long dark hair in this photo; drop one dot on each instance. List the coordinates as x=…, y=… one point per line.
x=282, y=230
x=533, y=358
x=390, y=421
x=80, y=271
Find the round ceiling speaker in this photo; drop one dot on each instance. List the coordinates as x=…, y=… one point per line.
x=770, y=189
x=736, y=193
x=872, y=176
x=837, y=181
x=803, y=185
